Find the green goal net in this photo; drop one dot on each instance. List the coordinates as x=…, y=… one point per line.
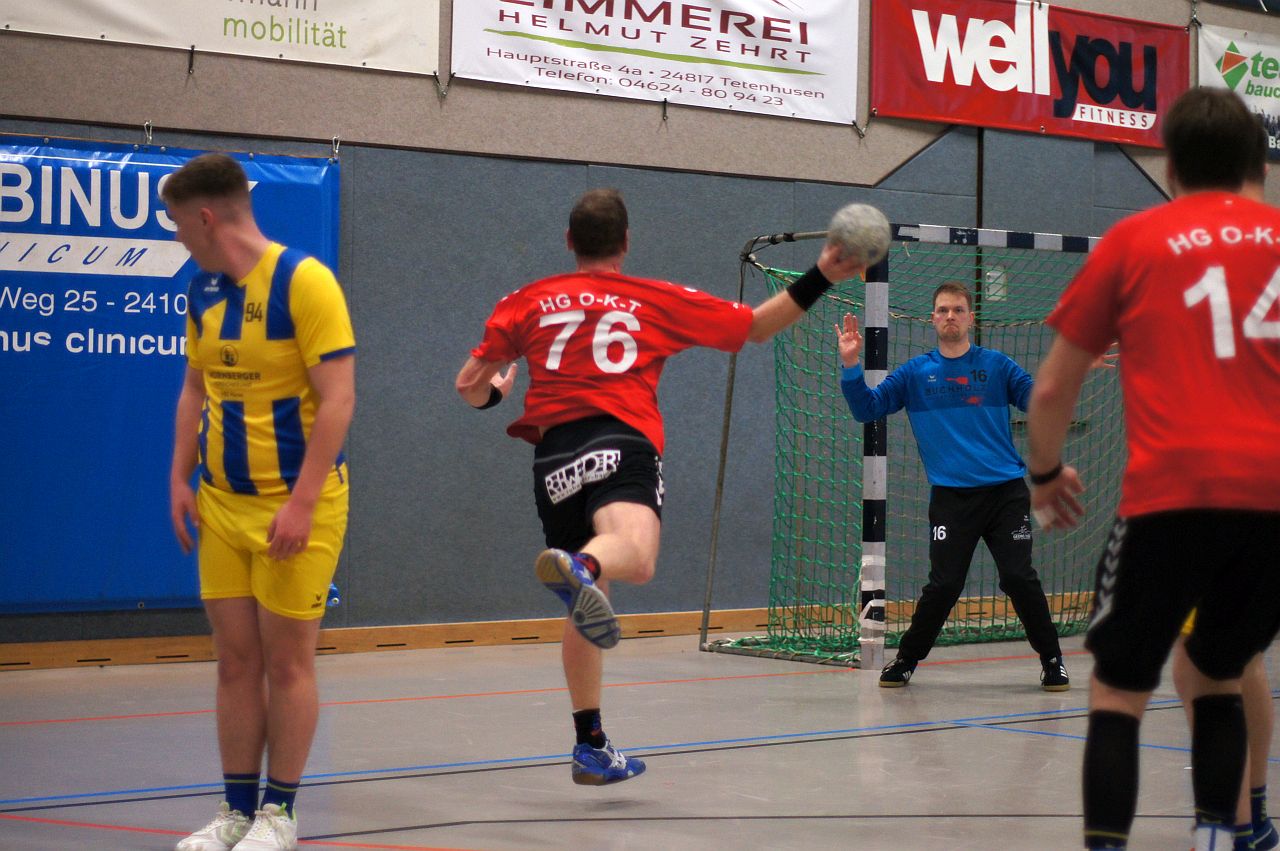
x=815, y=609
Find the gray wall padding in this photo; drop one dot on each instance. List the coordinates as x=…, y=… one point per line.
x=443, y=526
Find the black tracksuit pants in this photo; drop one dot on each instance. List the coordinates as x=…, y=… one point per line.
x=958, y=519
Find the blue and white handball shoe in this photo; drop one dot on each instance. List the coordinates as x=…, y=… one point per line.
x=589, y=609
x=602, y=766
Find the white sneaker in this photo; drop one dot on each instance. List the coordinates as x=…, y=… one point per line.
x=272, y=830
x=227, y=828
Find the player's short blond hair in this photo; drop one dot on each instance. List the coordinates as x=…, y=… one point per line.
x=955, y=288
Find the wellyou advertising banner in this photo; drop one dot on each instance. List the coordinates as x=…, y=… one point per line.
x=388, y=35
x=1026, y=65
x=793, y=58
x=1248, y=64
x=93, y=300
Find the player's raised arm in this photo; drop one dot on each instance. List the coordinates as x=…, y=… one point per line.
x=836, y=263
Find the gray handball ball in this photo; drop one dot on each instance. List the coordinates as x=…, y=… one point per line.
x=861, y=231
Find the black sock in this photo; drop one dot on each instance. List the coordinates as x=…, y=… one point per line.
x=586, y=723
x=593, y=564
x=1218, y=745
x=1110, y=779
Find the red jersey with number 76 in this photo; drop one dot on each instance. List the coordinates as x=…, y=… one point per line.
x=1190, y=291
x=596, y=343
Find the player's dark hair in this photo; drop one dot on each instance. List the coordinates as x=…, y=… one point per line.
x=955, y=288
x=1257, y=171
x=598, y=224
x=206, y=176
x=1213, y=140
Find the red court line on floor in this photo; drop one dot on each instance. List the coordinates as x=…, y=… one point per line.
x=155, y=830
x=518, y=692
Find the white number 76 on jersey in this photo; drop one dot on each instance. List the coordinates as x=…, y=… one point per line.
x=605, y=335
x=1213, y=286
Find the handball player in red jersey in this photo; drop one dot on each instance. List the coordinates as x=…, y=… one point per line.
x=1190, y=290
x=595, y=341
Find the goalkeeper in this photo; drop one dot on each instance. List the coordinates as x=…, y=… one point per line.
x=957, y=398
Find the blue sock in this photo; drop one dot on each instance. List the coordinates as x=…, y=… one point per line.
x=280, y=794
x=1264, y=832
x=242, y=792
x=1258, y=804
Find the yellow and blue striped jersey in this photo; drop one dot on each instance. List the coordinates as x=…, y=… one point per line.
x=254, y=342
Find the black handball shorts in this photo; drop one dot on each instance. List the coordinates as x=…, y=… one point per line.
x=583, y=465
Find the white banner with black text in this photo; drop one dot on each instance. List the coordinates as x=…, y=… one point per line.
x=776, y=57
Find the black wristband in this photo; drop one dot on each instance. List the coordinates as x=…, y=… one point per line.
x=1045, y=478
x=495, y=396
x=808, y=288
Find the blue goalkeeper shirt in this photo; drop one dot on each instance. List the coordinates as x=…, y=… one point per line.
x=959, y=412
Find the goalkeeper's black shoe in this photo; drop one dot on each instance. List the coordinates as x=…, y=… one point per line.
x=1053, y=675
x=897, y=673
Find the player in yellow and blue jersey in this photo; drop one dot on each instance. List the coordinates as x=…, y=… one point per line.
x=264, y=410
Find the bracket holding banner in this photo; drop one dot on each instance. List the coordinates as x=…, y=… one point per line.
x=337, y=142
x=147, y=127
x=442, y=91
x=862, y=131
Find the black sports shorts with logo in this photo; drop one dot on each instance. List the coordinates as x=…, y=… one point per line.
x=583, y=465
x=1156, y=567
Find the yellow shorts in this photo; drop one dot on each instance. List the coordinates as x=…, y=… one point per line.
x=1189, y=624
x=233, y=552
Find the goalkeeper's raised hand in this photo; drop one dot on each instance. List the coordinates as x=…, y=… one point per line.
x=850, y=340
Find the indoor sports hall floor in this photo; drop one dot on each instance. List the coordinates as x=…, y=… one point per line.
x=467, y=748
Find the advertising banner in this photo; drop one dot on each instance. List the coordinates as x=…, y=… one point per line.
x=93, y=298
x=1026, y=65
x=1249, y=65
x=1270, y=7
x=389, y=35
x=793, y=58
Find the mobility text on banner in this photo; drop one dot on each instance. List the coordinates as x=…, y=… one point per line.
x=387, y=35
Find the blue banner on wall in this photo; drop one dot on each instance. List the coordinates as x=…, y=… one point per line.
x=92, y=353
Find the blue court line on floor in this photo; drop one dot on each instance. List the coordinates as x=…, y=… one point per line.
x=1145, y=747
x=985, y=722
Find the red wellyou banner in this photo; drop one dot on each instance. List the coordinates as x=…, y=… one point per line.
x=1026, y=65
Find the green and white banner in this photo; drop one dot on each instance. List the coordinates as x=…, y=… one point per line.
x=389, y=35
x=1248, y=63
x=1270, y=7
x=793, y=58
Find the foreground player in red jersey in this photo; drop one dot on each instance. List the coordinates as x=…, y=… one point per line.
x=595, y=341
x=1189, y=289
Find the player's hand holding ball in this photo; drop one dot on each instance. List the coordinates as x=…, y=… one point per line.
x=861, y=233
